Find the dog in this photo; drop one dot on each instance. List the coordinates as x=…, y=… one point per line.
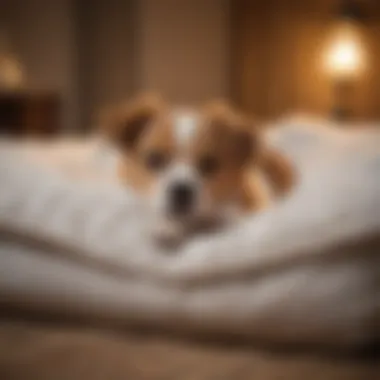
x=194, y=166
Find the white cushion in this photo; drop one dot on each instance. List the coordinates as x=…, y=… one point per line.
x=303, y=271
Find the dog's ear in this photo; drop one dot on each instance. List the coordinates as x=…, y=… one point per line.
x=241, y=132
x=247, y=140
x=279, y=170
x=125, y=124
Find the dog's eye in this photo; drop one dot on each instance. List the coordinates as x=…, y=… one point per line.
x=208, y=165
x=155, y=161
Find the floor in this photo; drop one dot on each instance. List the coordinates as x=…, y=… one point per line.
x=36, y=351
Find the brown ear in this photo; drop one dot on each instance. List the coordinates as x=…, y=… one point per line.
x=279, y=171
x=242, y=134
x=246, y=143
x=125, y=124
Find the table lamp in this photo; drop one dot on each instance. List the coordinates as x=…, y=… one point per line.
x=345, y=59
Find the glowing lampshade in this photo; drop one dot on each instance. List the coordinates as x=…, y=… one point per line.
x=345, y=55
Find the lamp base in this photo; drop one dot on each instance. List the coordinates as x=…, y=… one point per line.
x=340, y=114
x=343, y=90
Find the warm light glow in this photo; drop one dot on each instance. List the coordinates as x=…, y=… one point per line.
x=345, y=54
x=344, y=58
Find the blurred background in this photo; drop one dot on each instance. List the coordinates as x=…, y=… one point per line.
x=62, y=60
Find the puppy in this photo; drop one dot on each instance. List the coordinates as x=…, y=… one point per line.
x=194, y=166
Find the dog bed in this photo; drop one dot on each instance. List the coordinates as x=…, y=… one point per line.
x=305, y=271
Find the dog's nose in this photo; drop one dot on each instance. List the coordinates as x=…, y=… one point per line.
x=182, y=196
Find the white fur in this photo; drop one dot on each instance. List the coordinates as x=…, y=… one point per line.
x=178, y=172
x=185, y=123
x=182, y=172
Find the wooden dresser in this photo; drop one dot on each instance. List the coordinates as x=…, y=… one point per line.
x=26, y=114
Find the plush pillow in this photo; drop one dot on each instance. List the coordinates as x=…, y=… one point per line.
x=305, y=270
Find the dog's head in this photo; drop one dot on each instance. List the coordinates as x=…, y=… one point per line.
x=188, y=163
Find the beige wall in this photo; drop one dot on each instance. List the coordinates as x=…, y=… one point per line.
x=184, y=48
x=106, y=33
x=97, y=52
x=179, y=48
x=82, y=50
x=41, y=33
